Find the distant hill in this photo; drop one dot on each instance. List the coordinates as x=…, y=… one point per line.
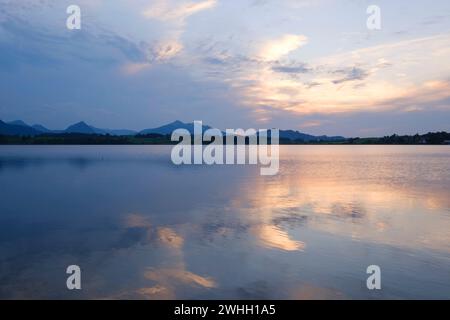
x=18, y=132
x=169, y=128
x=18, y=123
x=298, y=136
x=284, y=134
x=82, y=127
x=20, y=128
x=17, y=129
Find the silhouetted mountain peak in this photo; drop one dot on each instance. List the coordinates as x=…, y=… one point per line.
x=18, y=123
x=17, y=129
x=299, y=136
x=80, y=127
x=169, y=128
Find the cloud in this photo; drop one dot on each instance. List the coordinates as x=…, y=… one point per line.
x=164, y=50
x=176, y=11
x=158, y=53
x=132, y=68
x=278, y=48
x=291, y=68
x=389, y=76
x=173, y=14
x=312, y=123
x=255, y=62
x=379, y=78
x=135, y=220
x=47, y=47
x=351, y=75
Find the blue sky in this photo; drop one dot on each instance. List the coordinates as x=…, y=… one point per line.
x=306, y=65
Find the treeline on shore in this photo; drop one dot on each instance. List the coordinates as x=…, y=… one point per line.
x=87, y=139
x=436, y=138
x=433, y=138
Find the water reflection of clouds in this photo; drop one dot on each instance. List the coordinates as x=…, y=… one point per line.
x=173, y=273
x=81, y=157
x=373, y=210
x=169, y=274
x=311, y=292
x=273, y=237
x=224, y=232
x=170, y=238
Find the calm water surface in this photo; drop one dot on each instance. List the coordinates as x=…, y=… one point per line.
x=141, y=227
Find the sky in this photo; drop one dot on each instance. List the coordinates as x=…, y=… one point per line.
x=312, y=66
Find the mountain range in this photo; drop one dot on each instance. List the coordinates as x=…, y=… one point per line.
x=20, y=128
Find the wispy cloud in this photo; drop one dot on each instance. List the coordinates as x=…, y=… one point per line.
x=166, y=10
x=352, y=74
x=265, y=58
x=278, y=48
x=157, y=53
x=173, y=14
x=291, y=68
x=132, y=68
x=375, y=78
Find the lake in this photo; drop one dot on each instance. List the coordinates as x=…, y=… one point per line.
x=140, y=227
